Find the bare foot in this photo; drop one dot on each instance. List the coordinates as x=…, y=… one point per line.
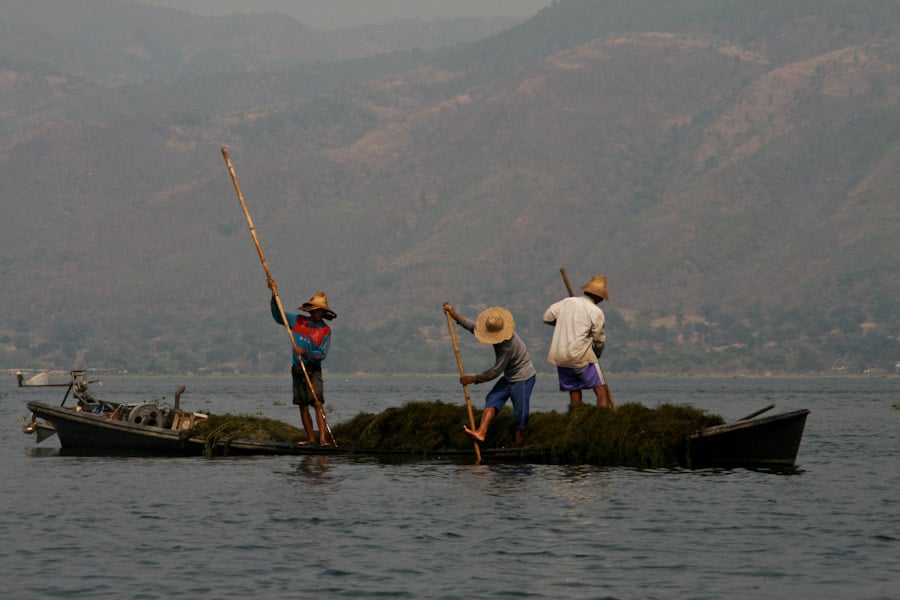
x=475, y=435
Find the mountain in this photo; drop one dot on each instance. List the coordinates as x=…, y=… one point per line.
x=123, y=42
x=728, y=165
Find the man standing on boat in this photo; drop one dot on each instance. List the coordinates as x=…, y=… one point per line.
x=578, y=339
x=312, y=337
x=496, y=326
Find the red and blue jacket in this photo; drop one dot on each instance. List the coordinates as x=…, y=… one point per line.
x=312, y=337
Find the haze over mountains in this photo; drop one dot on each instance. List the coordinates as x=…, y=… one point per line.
x=731, y=166
x=341, y=14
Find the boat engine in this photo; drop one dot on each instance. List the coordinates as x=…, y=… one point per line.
x=147, y=414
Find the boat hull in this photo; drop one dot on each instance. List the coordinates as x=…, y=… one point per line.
x=765, y=442
x=94, y=433
x=89, y=434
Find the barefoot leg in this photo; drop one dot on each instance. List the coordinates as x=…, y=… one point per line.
x=307, y=423
x=574, y=397
x=603, y=400
x=486, y=417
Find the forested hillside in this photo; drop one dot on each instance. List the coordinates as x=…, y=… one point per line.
x=730, y=166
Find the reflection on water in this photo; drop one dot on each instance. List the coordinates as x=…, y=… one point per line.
x=42, y=451
x=313, y=470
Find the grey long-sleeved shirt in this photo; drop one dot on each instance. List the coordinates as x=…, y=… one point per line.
x=512, y=358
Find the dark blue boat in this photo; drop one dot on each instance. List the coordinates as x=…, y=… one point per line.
x=763, y=442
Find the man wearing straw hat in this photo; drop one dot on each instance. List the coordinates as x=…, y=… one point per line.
x=313, y=337
x=495, y=325
x=578, y=338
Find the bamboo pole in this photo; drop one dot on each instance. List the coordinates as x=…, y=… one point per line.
x=565, y=277
x=262, y=259
x=465, y=387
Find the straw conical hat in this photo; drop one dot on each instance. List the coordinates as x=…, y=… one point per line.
x=319, y=300
x=597, y=287
x=494, y=325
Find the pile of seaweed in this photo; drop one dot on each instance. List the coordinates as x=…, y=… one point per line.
x=222, y=429
x=633, y=435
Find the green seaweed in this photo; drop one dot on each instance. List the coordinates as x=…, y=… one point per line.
x=633, y=435
x=222, y=429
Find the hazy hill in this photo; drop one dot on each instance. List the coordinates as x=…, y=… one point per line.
x=730, y=166
x=123, y=42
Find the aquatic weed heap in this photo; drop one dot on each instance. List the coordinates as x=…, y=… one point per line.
x=633, y=435
x=415, y=426
x=221, y=429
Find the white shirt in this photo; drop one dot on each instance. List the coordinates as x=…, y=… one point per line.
x=578, y=322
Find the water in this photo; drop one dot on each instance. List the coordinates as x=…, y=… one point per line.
x=343, y=527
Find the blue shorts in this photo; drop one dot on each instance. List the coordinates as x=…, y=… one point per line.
x=587, y=377
x=520, y=394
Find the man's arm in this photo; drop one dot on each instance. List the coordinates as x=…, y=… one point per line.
x=504, y=353
x=551, y=314
x=463, y=322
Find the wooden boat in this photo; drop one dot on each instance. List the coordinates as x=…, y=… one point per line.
x=97, y=427
x=89, y=431
x=82, y=432
x=767, y=442
x=41, y=379
x=103, y=426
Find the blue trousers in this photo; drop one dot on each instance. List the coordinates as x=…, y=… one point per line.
x=520, y=394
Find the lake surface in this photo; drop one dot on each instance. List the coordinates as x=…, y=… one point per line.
x=344, y=527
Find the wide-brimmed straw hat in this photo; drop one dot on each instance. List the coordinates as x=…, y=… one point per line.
x=597, y=287
x=319, y=300
x=494, y=325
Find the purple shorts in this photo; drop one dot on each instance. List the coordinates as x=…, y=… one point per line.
x=587, y=377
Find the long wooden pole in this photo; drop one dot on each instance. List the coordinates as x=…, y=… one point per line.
x=465, y=387
x=565, y=277
x=265, y=265
x=566, y=281
x=757, y=413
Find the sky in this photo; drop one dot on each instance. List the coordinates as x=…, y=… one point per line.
x=335, y=14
